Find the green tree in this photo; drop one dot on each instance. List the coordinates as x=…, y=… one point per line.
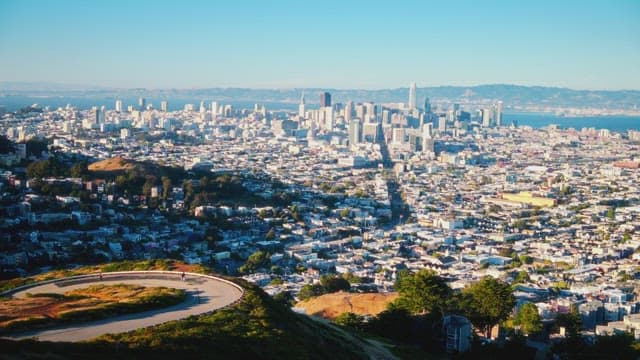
x=166, y=187
x=285, y=298
x=571, y=322
x=271, y=235
x=487, y=302
x=528, y=319
x=310, y=291
x=37, y=146
x=46, y=168
x=351, y=278
x=333, y=283
x=148, y=184
x=79, y=169
x=393, y=323
x=350, y=319
x=257, y=260
x=611, y=213
x=6, y=145
x=521, y=277
x=422, y=292
x=275, y=269
x=526, y=259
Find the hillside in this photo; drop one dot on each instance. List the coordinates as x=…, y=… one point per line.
x=257, y=327
x=113, y=164
x=331, y=305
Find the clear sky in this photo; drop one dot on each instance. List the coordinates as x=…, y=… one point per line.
x=583, y=44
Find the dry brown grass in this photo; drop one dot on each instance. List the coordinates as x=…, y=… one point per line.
x=113, y=164
x=52, y=307
x=331, y=305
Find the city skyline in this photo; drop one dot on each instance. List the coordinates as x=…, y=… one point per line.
x=289, y=44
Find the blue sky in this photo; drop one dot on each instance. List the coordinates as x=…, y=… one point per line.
x=584, y=44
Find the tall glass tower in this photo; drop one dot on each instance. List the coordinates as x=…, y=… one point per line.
x=412, y=96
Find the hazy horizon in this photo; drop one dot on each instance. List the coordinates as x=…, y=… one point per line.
x=81, y=86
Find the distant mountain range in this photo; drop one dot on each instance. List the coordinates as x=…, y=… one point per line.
x=513, y=96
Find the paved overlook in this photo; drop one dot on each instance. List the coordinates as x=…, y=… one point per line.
x=204, y=294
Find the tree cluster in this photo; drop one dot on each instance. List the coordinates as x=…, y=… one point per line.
x=328, y=284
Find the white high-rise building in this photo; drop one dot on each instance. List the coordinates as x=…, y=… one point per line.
x=427, y=138
x=427, y=130
x=412, y=96
x=355, y=129
x=119, y=105
x=96, y=115
x=164, y=106
x=442, y=124
x=486, y=117
x=329, y=121
x=214, y=110
x=398, y=135
x=301, y=107
x=348, y=111
x=498, y=114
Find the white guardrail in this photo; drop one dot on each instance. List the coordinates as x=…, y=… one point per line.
x=106, y=275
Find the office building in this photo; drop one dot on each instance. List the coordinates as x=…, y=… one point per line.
x=141, y=103
x=348, y=111
x=486, y=117
x=96, y=115
x=398, y=135
x=355, y=128
x=370, y=132
x=498, y=114
x=412, y=96
x=301, y=107
x=328, y=118
x=119, y=105
x=427, y=138
x=427, y=106
x=442, y=124
x=360, y=111
x=386, y=116
x=164, y=106
x=214, y=109
x=325, y=99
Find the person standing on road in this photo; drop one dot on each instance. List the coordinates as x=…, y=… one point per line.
x=183, y=276
x=100, y=276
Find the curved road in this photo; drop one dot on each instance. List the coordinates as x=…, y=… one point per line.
x=204, y=294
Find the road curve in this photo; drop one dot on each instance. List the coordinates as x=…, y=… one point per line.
x=204, y=294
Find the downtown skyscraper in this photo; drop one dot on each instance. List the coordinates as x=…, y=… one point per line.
x=325, y=99
x=412, y=96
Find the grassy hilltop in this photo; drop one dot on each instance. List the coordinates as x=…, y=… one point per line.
x=257, y=327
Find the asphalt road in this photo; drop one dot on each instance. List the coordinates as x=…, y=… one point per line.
x=204, y=295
